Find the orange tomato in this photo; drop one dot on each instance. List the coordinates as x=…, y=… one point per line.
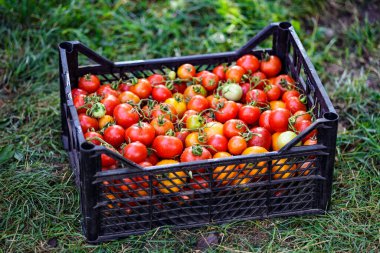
x=236, y=145
x=103, y=121
x=274, y=141
x=212, y=128
x=277, y=104
x=195, y=138
x=309, y=142
x=128, y=96
x=280, y=170
x=224, y=173
x=254, y=169
x=171, y=182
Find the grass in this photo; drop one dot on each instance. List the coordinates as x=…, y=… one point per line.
x=39, y=201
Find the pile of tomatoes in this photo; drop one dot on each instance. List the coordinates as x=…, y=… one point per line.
x=183, y=116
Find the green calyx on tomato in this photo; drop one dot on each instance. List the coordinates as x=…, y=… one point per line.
x=97, y=110
x=170, y=132
x=197, y=150
x=194, y=122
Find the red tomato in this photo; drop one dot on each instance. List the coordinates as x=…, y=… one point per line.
x=76, y=91
x=229, y=110
x=249, y=114
x=129, y=97
x=167, y=110
x=195, y=153
x=125, y=115
x=110, y=102
x=264, y=121
x=198, y=103
x=142, y=88
x=239, y=105
x=220, y=71
x=193, y=90
x=235, y=73
x=182, y=135
x=218, y=142
x=257, y=96
x=210, y=81
x=187, y=114
x=302, y=125
x=90, y=135
x=114, y=135
x=124, y=87
x=290, y=93
x=135, y=151
x=279, y=119
x=88, y=123
x=89, y=83
x=145, y=164
x=249, y=63
x=106, y=160
x=105, y=90
x=215, y=100
x=79, y=101
x=160, y=93
x=271, y=66
x=284, y=82
x=167, y=146
x=161, y=125
x=142, y=132
x=234, y=127
x=260, y=137
x=152, y=157
x=236, y=145
x=294, y=105
x=179, y=87
x=186, y=71
x=273, y=92
x=156, y=79
x=258, y=80
x=245, y=87
x=298, y=117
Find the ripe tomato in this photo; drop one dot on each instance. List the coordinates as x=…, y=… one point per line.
x=281, y=170
x=258, y=78
x=178, y=102
x=279, y=119
x=105, y=90
x=294, y=104
x=182, y=134
x=277, y=104
x=218, y=142
x=89, y=83
x=249, y=114
x=213, y=127
x=214, y=100
x=195, y=138
x=254, y=169
x=152, y=157
x=187, y=114
x=198, y=103
x=145, y=164
x=124, y=87
x=179, y=87
x=142, y=88
x=166, y=110
x=105, y=120
x=135, y=151
x=241, y=179
x=226, y=111
x=210, y=81
x=302, y=125
x=106, y=160
x=125, y=115
x=128, y=96
x=257, y=96
x=160, y=93
x=79, y=101
x=186, y=71
x=235, y=73
x=193, y=90
x=88, y=123
x=260, y=137
x=310, y=142
x=167, y=146
x=271, y=65
x=76, y=92
x=110, y=102
x=161, y=125
x=245, y=87
x=236, y=145
x=234, y=127
x=194, y=122
x=142, y=132
x=195, y=153
x=220, y=71
x=156, y=79
x=89, y=135
x=288, y=94
x=273, y=92
x=284, y=82
x=114, y=135
x=249, y=63
x=223, y=174
x=285, y=137
x=301, y=115
x=264, y=121
x=275, y=146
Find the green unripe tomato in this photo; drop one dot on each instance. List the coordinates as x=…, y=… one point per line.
x=285, y=137
x=232, y=92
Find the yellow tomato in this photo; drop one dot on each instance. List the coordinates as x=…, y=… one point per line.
x=224, y=173
x=276, y=104
x=127, y=96
x=172, y=181
x=103, y=121
x=254, y=169
x=194, y=138
x=178, y=102
x=280, y=170
x=212, y=128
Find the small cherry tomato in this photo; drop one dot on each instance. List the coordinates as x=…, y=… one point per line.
x=249, y=114
x=249, y=63
x=279, y=119
x=89, y=83
x=236, y=145
x=186, y=71
x=271, y=65
x=114, y=135
x=142, y=88
x=235, y=73
x=135, y=151
x=160, y=93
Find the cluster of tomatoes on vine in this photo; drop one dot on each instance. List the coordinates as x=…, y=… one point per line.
x=183, y=116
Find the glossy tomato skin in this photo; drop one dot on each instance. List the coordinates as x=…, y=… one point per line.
x=89, y=83
x=110, y=102
x=198, y=103
x=142, y=88
x=236, y=145
x=79, y=101
x=257, y=96
x=227, y=112
x=302, y=125
x=76, y=92
x=220, y=71
x=234, y=127
x=179, y=87
x=294, y=104
x=235, y=73
x=249, y=114
x=198, y=182
x=114, y=135
x=261, y=137
x=90, y=135
x=106, y=160
x=258, y=80
x=105, y=90
x=187, y=114
x=135, y=151
x=284, y=82
x=249, y=63
x=218, y=142
x=88, y=123
x=167, y=146
x=182, y=135
x=125, y=115
x=279, y=119
x=128, y=97
x=191, y=154
x=300, y=116
x=166, y=110
x=193, y=90
x=178, y=102
x=142, y=132
x=186, y=71
x=161, y=125
x=156, y=79
x=210, y=81
x=214, y=101
x=288, y=94
x=152, y=157
x=271, y=66
x=264, y=121
x=160, y=93
x=273, y=92
x=245, y=87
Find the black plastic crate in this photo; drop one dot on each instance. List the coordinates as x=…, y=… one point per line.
x=288, y=182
